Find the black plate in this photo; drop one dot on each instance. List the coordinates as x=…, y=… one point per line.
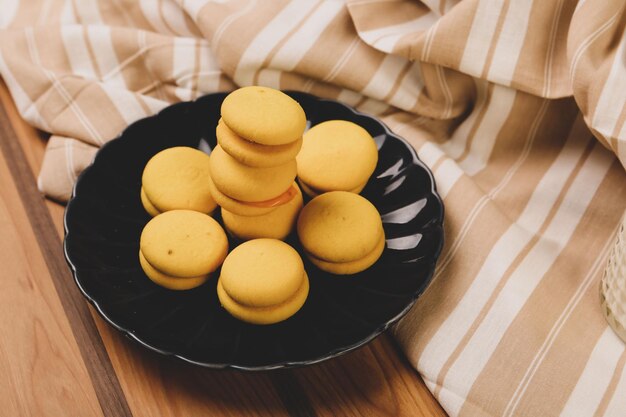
x=104, y=219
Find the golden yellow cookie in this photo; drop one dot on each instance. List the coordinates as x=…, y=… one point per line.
x=263, y=282
x=184, y=243
x=177, y=178
x=352, y=267
x=168, y=281
x=264, y=115
x=339, y=227
x=336, y=155
x=276, y=224
x=314, y=193
x=147, y=204
x=249, y=184
x=252, y=154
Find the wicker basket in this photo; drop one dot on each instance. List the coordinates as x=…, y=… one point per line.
x=613, y=288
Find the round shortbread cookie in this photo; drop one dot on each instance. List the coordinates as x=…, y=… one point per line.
x=262, y=272
x=176, y=179
x=339, y=226
x=184, y=243
x=336, y=155
x=249, y=184
x=263, y=281
x=263, y=115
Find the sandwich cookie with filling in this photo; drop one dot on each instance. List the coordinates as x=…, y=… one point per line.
x=336, y=155
x=263, y=115
x=179, y=249
x=177, y=179
x=341, y=232
x=263, y=281
x=277, y=224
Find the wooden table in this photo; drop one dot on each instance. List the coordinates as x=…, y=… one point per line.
x=59, y=358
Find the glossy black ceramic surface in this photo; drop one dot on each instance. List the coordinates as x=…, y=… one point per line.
x=104, y=220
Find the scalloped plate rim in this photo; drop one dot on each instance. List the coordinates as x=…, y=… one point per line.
x=279, y=365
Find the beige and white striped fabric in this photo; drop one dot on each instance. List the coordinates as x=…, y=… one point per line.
x=518, y=106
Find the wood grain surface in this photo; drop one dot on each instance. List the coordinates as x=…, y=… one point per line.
x=58, y=358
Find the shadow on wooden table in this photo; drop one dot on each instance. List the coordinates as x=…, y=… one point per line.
x=373, y=380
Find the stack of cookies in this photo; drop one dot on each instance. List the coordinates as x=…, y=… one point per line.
x=251, y=175
x=253, y=167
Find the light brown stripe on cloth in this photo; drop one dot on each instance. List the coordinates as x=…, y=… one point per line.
x=521, y=255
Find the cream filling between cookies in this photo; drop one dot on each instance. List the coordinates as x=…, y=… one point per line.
x=284, y=198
